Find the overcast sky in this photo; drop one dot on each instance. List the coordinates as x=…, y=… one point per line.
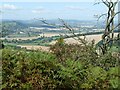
x=50, y=9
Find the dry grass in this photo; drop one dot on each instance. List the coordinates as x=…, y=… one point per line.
x=49, y=34
x=23, y=38
x=34, y=47
x=35, y=37
x=89, y=38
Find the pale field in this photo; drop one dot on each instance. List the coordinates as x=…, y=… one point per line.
x=22, y=38
x=50, y=34
x=35, y=37
x=31, y=38
x=35, y=47
x=89, y=38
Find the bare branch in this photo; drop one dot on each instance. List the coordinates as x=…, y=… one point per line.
x=101, y=16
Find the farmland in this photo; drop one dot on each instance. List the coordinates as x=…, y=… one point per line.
x=46, y=59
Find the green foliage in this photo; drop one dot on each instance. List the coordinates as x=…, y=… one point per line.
x=25, y=70
x=37, y=70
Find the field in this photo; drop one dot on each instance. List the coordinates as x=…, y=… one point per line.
x=44, y=51
x=35, y=43
x=32, y=37
x=35, y=47
x=89, y=38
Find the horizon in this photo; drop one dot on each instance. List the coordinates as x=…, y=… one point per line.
x=116, y=21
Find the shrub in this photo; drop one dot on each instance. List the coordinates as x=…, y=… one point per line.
x=77, y=67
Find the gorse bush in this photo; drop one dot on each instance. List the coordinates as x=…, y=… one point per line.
x=66, y=67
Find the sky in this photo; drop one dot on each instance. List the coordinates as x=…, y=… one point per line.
x=49, y=0
x=50, y=9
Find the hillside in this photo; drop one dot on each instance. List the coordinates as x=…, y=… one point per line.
x=62, y=68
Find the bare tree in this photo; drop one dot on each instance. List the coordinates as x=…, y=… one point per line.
x=108, y=35
x=68, y=27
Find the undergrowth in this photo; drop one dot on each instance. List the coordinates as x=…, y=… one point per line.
x=66, y=67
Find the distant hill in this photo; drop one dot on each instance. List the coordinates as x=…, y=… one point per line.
x=38, y=23
x=9, y=27
x=14, y=25
x=22, y=24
